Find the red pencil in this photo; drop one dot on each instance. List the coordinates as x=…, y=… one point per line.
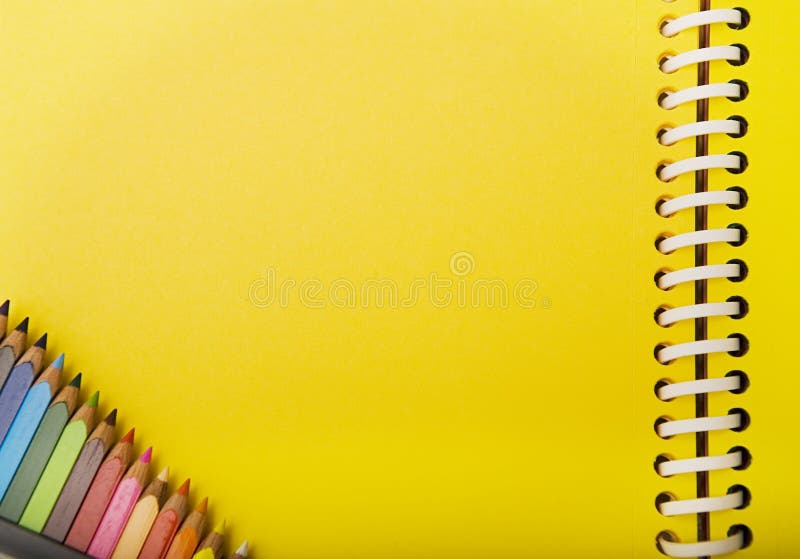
x=99, y=494
x=166, y=524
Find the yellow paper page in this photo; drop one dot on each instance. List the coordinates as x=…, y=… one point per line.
x=368, y=272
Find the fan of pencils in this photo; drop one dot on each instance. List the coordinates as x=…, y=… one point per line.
x=62, y=476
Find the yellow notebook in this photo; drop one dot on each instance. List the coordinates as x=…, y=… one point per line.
x=381, y=277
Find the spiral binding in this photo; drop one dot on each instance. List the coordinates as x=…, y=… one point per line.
x=738, y=536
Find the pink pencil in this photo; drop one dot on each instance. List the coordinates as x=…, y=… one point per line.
x=119, y=508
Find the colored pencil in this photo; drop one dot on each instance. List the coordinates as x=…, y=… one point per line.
x=4, y=317
x=71, y=497
x=58, y=467
x=18, y=382
x=142, y=518
x=100, y=493
x=241, y=552
x=166, y=524
x=11, y=348
x=120, y=508
x=211, y=546
x=38, y=453
x=30, y=414
x=187, y=538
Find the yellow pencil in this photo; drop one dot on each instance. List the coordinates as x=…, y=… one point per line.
x=211, y=546
x=142, y=518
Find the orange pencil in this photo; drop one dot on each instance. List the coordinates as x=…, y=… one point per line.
x=166, y=524
x=99, y=494
x=189, y=535
x=120, y=507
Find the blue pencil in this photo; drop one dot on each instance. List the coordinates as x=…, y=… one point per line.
x=27, y=421
x=11, y=349
x=18, y=382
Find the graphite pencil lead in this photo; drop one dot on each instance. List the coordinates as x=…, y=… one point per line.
x=23, y=326
x=42, y=342
x=76, y=382
x=4, y=308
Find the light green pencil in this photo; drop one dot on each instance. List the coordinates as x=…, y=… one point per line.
x=60, y=465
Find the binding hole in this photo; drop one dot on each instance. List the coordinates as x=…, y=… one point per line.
x=659, y=385
x=665, y=535
x=660, y=421
x=743, y=271
x=657, y=350
x=744, y=307
x=660, y=202
x=663, y=94
x=663, y=23
x=660, y=459
x=744, y=55
x=743, y=198
x=742, y=234
x=743, y=125
x=744, y=419
x=662, y=237
x=747, y=458
x=663, y=497
x=744, y=91
x=658, y=312
x=745, y=20
x=744, y=345
x=661, y=131
x=744, y=381
x=657, y=276
x=660, y=168
x=745, y=495
x=747, y=534
x=743, y=163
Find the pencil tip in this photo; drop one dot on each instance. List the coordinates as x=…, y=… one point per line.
x=203, y=506
x=4, y=308
x=111, y=418
x=41, y=342
x=58, y=363
x=128, y=438
x=76, y=382
x=93, y=399
x=242, y=550
x=163, y=475
x=184, y=488
x=23, y=326
x=220, y=528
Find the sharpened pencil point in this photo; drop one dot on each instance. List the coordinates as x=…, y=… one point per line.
x=202, y=506
x=23, y=326
x=128, y=438
x=184, y=488
x=242, y=550
x=93, y=399
x=42, y=342
x=58, y=363
x=4, y=308
x=220, y=527
x=111, y=418
x=76, y=382
x=148, y=454
x=163, y=475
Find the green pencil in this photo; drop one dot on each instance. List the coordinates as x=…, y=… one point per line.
x=60, y=465
x=39, y=451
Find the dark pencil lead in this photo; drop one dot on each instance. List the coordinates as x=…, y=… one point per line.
x=42, y=342
x=4, y=308
x=111, y=419
x=76, y=382
x=23, y=326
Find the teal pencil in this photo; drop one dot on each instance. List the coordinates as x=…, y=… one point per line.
x=27, y=420
x=38, y=453
x=11, y=348
x=18, y=382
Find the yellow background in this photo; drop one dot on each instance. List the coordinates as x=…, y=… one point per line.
x=157, y=158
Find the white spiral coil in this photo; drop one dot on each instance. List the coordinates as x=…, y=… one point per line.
x=734, y=270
